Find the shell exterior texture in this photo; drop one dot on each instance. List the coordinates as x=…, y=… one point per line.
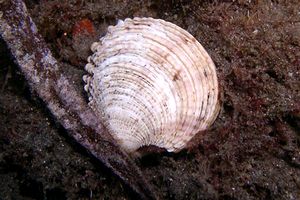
x=152, y=83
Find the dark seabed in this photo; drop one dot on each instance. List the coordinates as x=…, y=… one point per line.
x=251, y=152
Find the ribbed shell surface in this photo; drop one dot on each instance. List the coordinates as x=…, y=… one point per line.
x=152, y=83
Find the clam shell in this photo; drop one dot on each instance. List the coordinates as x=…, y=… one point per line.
x=152, y=83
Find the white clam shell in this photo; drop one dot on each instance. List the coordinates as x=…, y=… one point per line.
x=152, y=83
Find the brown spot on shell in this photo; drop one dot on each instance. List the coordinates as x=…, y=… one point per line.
x=176, y=75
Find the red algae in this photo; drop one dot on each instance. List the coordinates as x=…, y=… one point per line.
x=84, y=26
